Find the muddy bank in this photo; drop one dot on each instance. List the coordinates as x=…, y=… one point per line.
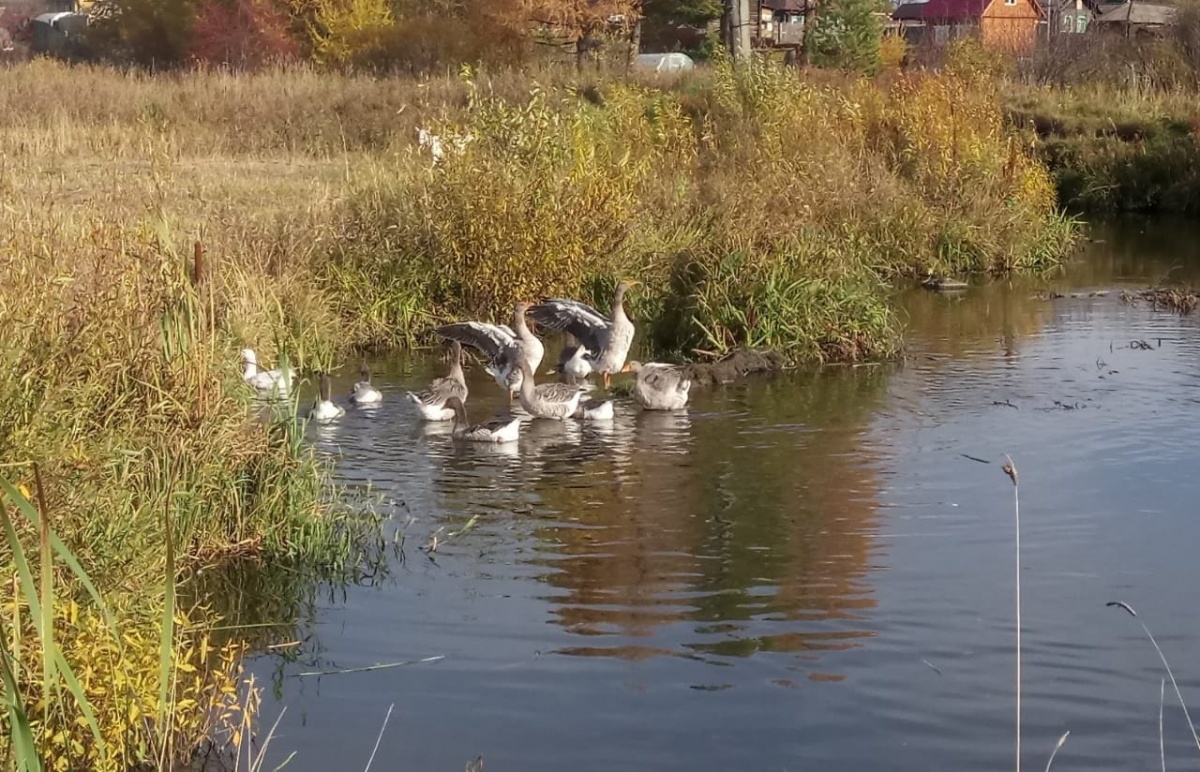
x=736, y=364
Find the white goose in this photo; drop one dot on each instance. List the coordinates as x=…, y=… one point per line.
x=495, y=430
x=277, y=382
x=431, y=402
x=324, y=410
x=502, y=346
x=660, y=386
x=363, y=392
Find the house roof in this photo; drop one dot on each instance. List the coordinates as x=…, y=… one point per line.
x=1139, y=13
x=796, y=6
x=940, y=10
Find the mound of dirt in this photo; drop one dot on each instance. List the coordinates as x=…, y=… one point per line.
x=736, y=364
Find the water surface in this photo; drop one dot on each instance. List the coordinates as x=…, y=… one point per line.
x=810, y=571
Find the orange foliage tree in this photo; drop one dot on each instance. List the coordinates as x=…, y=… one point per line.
x=243, y=34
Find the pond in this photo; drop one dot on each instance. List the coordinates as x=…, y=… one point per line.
x=807, y=571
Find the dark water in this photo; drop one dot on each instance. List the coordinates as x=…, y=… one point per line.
x=803, y=572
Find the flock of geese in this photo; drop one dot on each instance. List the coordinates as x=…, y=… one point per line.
x=595, y=344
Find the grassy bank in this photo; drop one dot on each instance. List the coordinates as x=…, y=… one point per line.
x=1115, y=119
x=1115, y=149
x=123, y=416
x=760, y=207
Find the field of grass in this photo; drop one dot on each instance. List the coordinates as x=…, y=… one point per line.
x=759, y=207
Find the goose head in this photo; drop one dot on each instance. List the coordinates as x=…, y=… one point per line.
x=625, y=285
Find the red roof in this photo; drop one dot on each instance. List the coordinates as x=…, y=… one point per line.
x=941, y=10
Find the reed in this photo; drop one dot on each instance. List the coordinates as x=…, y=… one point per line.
x=1166, y=665
x=1010, y=469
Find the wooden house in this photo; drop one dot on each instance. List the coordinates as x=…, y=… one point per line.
x=1072, y=17
x=780, y=23
x=1010, y=25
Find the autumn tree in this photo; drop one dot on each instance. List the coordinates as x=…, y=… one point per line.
x=153, y=33
x=243, y=34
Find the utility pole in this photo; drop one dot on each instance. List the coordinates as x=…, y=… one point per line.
x=739, y=28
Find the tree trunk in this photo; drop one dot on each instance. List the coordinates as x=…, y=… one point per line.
x=635, y=41
x=739, y=28
x=727, y=26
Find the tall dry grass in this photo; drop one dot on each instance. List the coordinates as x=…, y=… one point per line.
x=120, y=382
x=812, y=194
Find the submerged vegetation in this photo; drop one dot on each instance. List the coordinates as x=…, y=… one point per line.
x=154, y=226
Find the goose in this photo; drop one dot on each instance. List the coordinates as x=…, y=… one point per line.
x=277, y=381
x=495, y=430
x=573, y=365
x=502, y=346
x=550, y=400
x=363, y=392
x=594, y=410
x=324, y=410
x=431, y=402
x=604, y=342
x=660, y=386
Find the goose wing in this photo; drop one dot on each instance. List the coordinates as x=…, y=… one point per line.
x=494, y=340
x=493, y=425
x=557, y=392
x=440, y=390
x=581, y=320
x=663, y=378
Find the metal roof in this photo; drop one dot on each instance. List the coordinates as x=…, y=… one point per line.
x=1147, y=14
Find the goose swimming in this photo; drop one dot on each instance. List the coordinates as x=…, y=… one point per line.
x=363, y=392
x=324, y=410
x=594, y=410
x=502, y=345
x=604, y=341
x=495, y=430
x=549, y=400
x=660, y=386
x=431, y=402
x=278, y=382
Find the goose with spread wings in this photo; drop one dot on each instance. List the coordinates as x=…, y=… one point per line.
x=603, y=342
x=502, y=346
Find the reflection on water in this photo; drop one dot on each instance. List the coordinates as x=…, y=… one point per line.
x=806, y=571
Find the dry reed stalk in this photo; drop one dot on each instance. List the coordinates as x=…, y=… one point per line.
x=1057, y=746
x=1163, y=657
x=1010, y=469
x=379, y=738
x=1162, y=747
